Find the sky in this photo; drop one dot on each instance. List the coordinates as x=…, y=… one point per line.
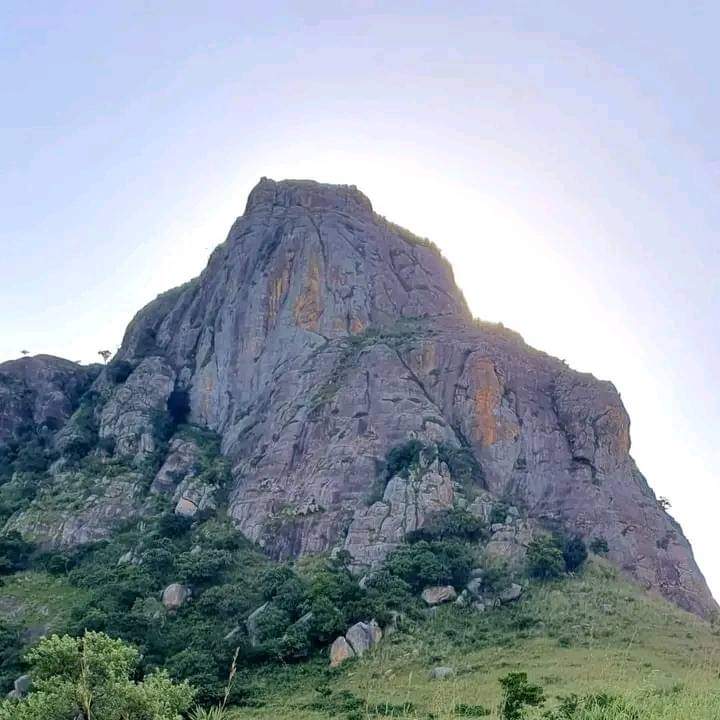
x=565, y=157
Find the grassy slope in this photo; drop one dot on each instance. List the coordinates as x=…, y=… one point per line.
x=588, y=634
x=35, y=600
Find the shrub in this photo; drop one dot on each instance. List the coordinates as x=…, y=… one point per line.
x=499, y=512
x=574, y=553
x=172, y=526
x=203, y=566
x=431, y=563
x=401, y=458
x=496, y=577
x=94, y=675
x=14, y=552
x=545, y=560
x=119, y=371
x=599, y=545
x=518, y=694
x=463, y=465
x=178, y=406
x=448, y=524
x=574, y=707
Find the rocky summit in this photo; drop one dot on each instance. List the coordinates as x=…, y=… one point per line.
x=354, y=395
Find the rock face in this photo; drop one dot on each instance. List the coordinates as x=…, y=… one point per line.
x=40, y=392
x=439, y=594
x=319, y=338
x=175, y=596
x=340, y=651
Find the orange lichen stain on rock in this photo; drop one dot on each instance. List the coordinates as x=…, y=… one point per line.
x=308, y=306
x=428, y=358
x=490, y=426
x=357, y=326
x=486, y=401
x=615, y=424
x=277, y=289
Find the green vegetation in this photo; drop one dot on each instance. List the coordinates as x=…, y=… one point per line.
x=599, y=648
x=579, y=645
x=93, y=677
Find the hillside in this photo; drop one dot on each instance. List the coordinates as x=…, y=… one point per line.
x=587, y=635
x=312, y=452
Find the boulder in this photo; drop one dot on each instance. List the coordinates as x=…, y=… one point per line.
x=360, y=638
x=511, y=594
x=252, y=624
x=340, y=651
x=181, y=461
x=174, y=596
x=441, y=673
x=20, y=688
x=474, y=587
x=375, y=632
x=438, y=594
x=22, y=684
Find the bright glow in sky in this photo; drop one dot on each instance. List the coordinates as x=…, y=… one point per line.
x=563, y=155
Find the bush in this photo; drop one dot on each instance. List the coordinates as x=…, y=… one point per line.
x=431, y=563
x=119, y=371
x=496, y=577
x=401, y=458
x=599, y=546
x=449, y=524
x=603, y=705
x=173, y=526
x=463, y=465
x=203, y=566
x=94, y=675
x=178, y=406
x=545, y=560
x=14, y=552
x=574, y=553
x=518, y=694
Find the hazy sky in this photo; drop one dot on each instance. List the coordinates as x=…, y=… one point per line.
x=564, y=155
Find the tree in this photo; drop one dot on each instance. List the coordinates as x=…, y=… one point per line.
x=91, y=677
x=545, y=559
x=518, y=693
x=574, y=552
x=24, y=352
x=599, y=545
x=105, y=355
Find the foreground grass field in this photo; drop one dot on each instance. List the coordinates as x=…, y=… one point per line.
x=589, y=635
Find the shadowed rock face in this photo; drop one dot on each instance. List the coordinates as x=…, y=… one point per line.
x=320, y=337
x=40, y=392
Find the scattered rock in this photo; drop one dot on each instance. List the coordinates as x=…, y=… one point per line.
x=20, y=688
x=474, y=587
x=511, y=594
x=375, y=632
x=252, y=624
x=441, y=673
x=394, y=623
x=360, y=638
x=438, y=594
x=175, y=596
x=340, y=651
x=180, y=463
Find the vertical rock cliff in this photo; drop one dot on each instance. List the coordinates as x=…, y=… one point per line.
x=320, y=339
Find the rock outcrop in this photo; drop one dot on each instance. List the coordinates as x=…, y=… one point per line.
x=321, y=337
x=40, y=393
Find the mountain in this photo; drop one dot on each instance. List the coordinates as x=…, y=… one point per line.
x=354, y=396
